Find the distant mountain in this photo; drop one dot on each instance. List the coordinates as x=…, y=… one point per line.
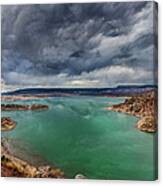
x=119, y=90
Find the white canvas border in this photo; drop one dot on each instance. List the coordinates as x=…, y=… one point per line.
x=42, y=182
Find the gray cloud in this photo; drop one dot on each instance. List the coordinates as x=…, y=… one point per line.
x=77, y=40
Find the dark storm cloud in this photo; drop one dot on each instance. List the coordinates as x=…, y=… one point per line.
x=75, y=40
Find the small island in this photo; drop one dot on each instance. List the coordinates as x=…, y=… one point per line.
x=17, y=107
x=7, y=124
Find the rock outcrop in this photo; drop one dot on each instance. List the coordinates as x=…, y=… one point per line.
x=38, y=107
x=7, y=124
x=19, y=107
x=147, y=124
x=143, y=106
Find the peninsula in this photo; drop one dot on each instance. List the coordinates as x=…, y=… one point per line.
x=143, y=106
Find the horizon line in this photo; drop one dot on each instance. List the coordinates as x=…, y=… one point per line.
x=122, y=85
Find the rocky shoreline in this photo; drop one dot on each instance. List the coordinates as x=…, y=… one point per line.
x=32, y=97
x=13, y=166
x=20, y=97
x=143, y=106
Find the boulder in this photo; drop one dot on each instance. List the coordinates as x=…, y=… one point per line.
x=80, y=176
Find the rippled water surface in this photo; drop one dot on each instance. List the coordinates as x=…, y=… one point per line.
x=78, y=135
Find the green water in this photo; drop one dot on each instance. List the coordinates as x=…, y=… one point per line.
x=78, y=135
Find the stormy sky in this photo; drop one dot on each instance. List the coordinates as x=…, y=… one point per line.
x=77, y=45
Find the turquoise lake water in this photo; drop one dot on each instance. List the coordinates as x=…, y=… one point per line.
x=78, y=135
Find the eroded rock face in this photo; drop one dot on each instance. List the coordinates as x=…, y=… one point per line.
x=7, y=124
x=17, y=107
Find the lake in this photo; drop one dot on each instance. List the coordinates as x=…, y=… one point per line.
x=78, y=135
